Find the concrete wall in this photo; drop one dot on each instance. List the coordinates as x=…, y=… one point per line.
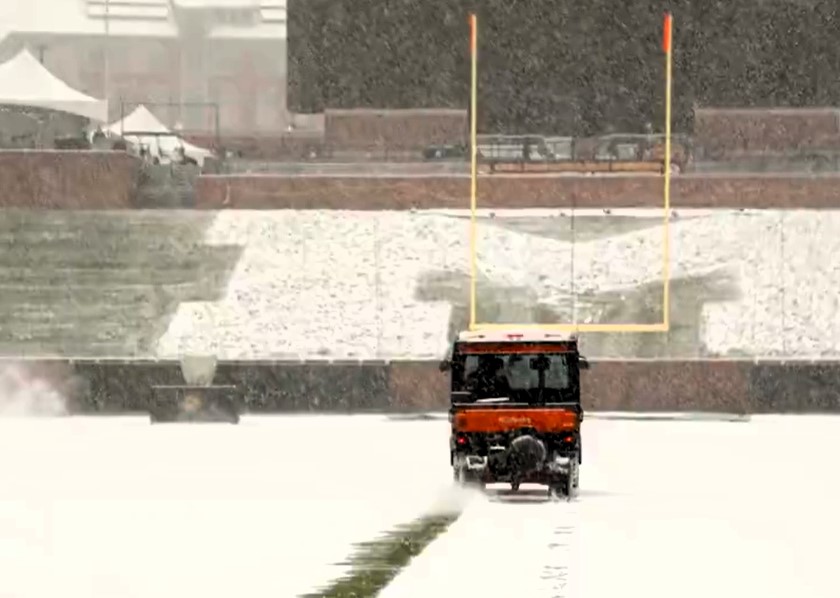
x=717, y=386
x=502, y=191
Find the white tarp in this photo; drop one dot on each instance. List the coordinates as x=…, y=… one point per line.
x=26, y=82
x=140, y=128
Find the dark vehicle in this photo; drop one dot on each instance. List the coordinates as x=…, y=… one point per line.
x=515, y=410
x=617, y=153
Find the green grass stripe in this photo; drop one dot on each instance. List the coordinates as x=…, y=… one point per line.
x=376, y=563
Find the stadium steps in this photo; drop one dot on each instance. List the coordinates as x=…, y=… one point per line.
x=89, y=284
x=126, y=276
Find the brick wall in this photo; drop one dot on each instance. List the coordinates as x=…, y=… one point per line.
x=67, y=179
x=725, y=132
x=716, y=385
x=394, y=130
x=503, y=191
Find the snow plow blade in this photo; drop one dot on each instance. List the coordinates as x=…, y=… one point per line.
x=194, y=404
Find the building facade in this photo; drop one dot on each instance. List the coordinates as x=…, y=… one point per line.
x=201, y=65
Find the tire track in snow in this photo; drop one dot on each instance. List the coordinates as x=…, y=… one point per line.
x=558, y=574
x=503, y=545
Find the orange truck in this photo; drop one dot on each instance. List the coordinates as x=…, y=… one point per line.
x=515, y=410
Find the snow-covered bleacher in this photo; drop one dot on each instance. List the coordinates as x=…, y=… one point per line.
x=389, y=285
x=394, y=285
x=101, y=284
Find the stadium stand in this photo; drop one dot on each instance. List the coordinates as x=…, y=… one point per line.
x=323, y=285
x=101, y=283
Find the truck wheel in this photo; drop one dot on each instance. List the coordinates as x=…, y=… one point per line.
x=564, y=487
x=574, y=478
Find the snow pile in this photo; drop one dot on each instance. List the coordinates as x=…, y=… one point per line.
x=23, y=394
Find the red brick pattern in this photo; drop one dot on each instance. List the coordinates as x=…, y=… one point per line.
x=418, y=385
x=725, y=131
x=714, y=386
x=525, y=191
x=710, y=386
x=67, y=179
x=396, y=130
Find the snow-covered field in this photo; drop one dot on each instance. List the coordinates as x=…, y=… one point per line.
x=115, y=508
x=689, y=509
x=391, y=284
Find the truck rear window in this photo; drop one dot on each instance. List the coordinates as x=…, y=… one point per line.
x=529, y=378
x=515, y=371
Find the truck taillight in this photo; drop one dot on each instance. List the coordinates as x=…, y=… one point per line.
x=461, y=440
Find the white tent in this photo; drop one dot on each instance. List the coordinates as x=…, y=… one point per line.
x=141, y=120
x=26, y=82
x=141, y=127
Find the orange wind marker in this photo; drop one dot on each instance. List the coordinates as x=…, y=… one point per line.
x=667, y=38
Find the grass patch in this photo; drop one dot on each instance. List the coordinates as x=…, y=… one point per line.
x=375, y=564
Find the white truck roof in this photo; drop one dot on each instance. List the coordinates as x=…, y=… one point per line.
x=514, y=336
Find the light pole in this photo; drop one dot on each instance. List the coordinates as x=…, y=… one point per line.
x=106, y=70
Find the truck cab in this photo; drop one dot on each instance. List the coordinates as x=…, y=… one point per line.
x=515, y=408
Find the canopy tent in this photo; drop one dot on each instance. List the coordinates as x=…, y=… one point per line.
x=26, y=82
x=141, y=127
x=141, y=122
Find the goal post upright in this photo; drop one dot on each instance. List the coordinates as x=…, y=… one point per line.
x=473, y=165
x=667, y=37
x=573, y=327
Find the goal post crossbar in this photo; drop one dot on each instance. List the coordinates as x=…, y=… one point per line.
x=659, y=327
